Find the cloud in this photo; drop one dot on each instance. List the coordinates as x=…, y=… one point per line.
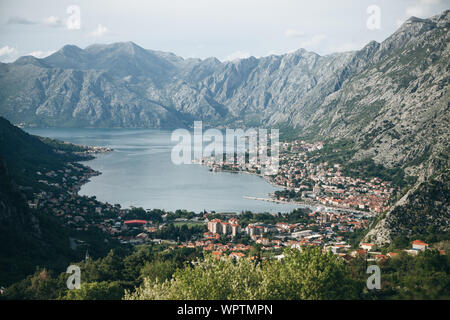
x=41, y=54
x=291, y=33
x=54, y=22
x=237, y=55
x=7, y=53
x=7, y=50
x=99, y=31
x=419, y=9
x=312, y=42
x=19, y=20
x=422, y=8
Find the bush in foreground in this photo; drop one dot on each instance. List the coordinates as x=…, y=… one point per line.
x=306, y=274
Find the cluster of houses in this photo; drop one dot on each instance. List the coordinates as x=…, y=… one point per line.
x=281, y=234
x=370, y=250
x=326, y=183
x=317, y=182
x=285, y=235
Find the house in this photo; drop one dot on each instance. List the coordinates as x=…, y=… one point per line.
x=235, y=229
x=263, y=241
x=142, y=236
x=217, y=254
x=392, y=254
x=419, y=245
x=359, y=252
x=214, y=226
x=301, y=234
x=226, y=228
x=379, y=257
x=339, y=248
x=236, y=255
x=413, y=252
x=367, y=246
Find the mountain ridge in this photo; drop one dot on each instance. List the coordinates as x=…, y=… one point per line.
x=391, y=99
x=160, y=89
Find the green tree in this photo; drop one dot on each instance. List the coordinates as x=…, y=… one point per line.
x=309, y=274
x=158, y=270
x=96, y=291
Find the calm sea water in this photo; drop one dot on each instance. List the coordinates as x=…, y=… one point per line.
x=139, y=172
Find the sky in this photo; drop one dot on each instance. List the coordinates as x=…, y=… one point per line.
x=225, y=29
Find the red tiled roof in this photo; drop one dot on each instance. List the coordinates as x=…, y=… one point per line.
x=419, y=242
x=135, y=222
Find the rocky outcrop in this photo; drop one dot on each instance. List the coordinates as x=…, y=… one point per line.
x=425, y=207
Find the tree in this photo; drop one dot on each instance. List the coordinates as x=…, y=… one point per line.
x=158, y=270
x=96, y=291
x=40, y=285
x=309, y=274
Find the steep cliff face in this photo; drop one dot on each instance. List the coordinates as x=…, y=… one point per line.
x=397, y=108
x=424, y=209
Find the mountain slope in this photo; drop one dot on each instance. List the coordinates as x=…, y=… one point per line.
x=396, y=109
x=27, y=237
x=125, y=85
x=424, y=210
x=33, y=236
x=390, y=99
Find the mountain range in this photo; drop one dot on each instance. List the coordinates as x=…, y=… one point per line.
x=390, y=99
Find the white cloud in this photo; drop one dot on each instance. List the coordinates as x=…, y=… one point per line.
x=74, y=20
x=237, y=55
x=7, y=53
x=422, y=8
x=419, y=9
x=99, y=31
x=291, y=33
x=54, y=22
x=313, y=42
x=41, y=54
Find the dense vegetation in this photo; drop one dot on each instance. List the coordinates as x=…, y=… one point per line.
x=63, y=146
x=159, y=272
x=301, y=275
x=107, y=277
x=29, y=237
x=25, y=155
x=426, y=276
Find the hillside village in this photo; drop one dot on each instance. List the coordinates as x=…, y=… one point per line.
x=329, y=227
x=306, y=181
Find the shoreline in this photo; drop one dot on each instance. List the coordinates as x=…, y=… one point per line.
x=308, y=204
